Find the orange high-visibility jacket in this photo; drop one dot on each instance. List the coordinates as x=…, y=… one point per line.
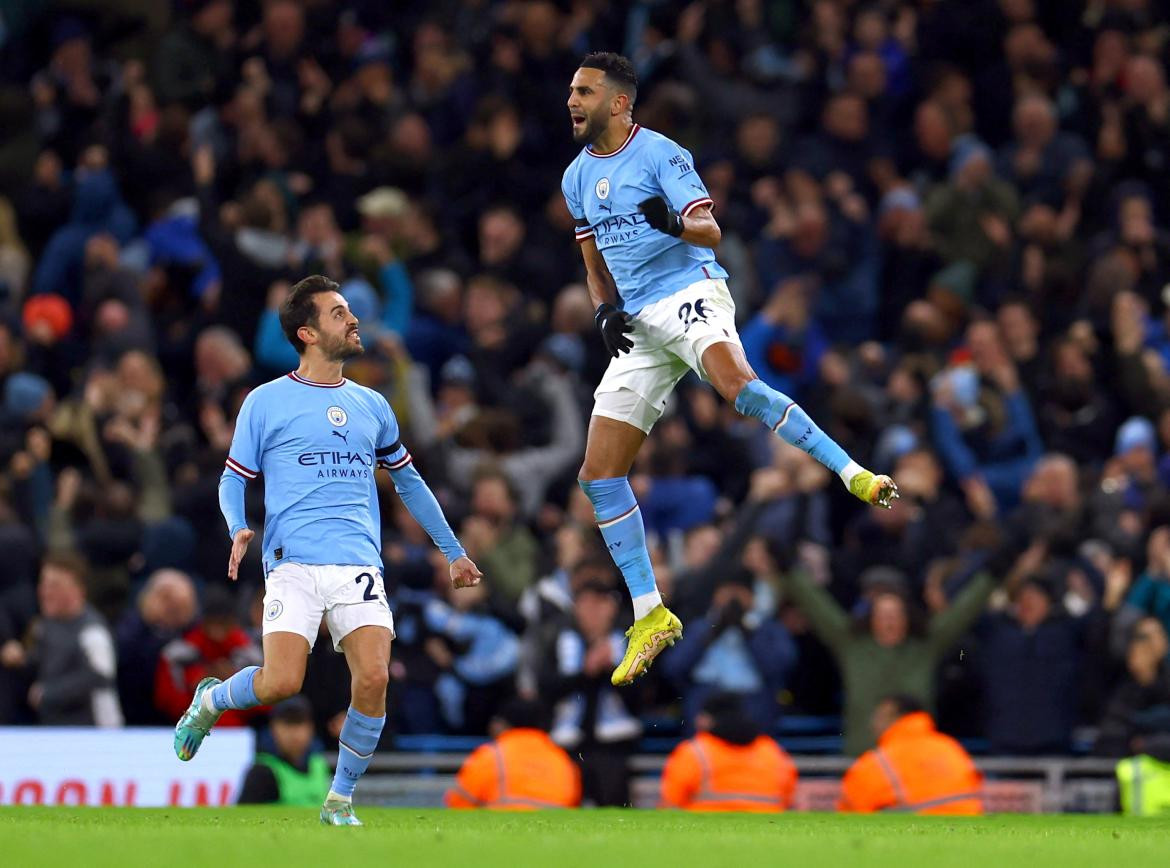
x=914, y=768
x=707, y=773
x=522, y=770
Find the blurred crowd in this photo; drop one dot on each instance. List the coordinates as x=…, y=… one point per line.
x=946, y=226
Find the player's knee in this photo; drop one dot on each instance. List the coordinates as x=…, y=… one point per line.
x=371, y=681
x=731, y=385
x=593, y=469
x=279, y=685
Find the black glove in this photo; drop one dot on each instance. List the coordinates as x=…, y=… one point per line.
x=614, y=325
x=661, y=216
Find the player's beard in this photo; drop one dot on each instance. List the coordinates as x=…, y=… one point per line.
x=342, y=349
x=593, y=129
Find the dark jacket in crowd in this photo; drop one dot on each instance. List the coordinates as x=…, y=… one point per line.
x=1030, y=683
x=75, y=666
x=1135, y=710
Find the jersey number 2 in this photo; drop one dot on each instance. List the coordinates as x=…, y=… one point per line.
x=369, y=595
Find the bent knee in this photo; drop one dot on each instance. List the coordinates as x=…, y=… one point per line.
x=595, y=469
x=371, y=681
x=587, y=474
x=280, y=685
x=730, y=388
x=729, y=383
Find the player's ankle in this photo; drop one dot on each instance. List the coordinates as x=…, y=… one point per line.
x=337, y=797
x=849, y=471
x=644, y=604
x=207, y=704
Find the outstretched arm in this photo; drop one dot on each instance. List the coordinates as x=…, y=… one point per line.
x=947, y=626
x=421, y=503
x=420, y=500
x=829, y=620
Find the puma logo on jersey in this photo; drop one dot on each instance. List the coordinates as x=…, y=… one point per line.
x=344, y=436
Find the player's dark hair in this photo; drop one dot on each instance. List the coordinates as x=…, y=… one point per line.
x=617, y=69
x=299, y=309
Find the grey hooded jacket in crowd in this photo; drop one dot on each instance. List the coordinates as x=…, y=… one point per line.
x=74, y=662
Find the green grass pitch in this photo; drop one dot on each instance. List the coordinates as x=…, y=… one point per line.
x=254, y=837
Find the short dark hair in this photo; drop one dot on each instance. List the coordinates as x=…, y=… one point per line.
x=723, y=703
x=617, y=69
x=299, y=309
x=524, y=713
x=68, y=561
x=595, y=571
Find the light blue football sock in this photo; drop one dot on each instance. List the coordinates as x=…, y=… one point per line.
x=355, y=749
x=786, y=418
x=620, y=521
x=237, y=692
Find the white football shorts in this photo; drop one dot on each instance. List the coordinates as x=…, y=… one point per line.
x=297, y=595
x=670, y=337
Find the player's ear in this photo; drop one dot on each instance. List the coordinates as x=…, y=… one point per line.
x=307, y=334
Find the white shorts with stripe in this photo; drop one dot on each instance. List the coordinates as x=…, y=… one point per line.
x=670, y=337
x=297, y=595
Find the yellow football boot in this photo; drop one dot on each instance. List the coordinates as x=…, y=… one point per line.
x=649, y=636
x=874, y=490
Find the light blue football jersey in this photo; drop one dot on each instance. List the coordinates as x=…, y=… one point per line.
x=318, y=446
x=603, y=192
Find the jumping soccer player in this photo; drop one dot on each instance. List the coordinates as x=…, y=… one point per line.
x=647, y=234
x=318, y=439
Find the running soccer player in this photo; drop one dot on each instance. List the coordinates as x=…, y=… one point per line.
x=318, y=439
x=647, y=235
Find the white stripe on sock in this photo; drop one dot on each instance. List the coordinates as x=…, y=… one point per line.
x=612, y=521
x=361, y=756
x=784, y=418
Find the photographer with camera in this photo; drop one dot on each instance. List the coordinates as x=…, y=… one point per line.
x=736, y=648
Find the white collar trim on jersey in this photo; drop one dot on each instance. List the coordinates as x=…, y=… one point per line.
x=633, y=131
x=298, y=378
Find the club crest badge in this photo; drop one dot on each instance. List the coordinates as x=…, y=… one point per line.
x=272, y=610
x=337, y=416
x=602, y=188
